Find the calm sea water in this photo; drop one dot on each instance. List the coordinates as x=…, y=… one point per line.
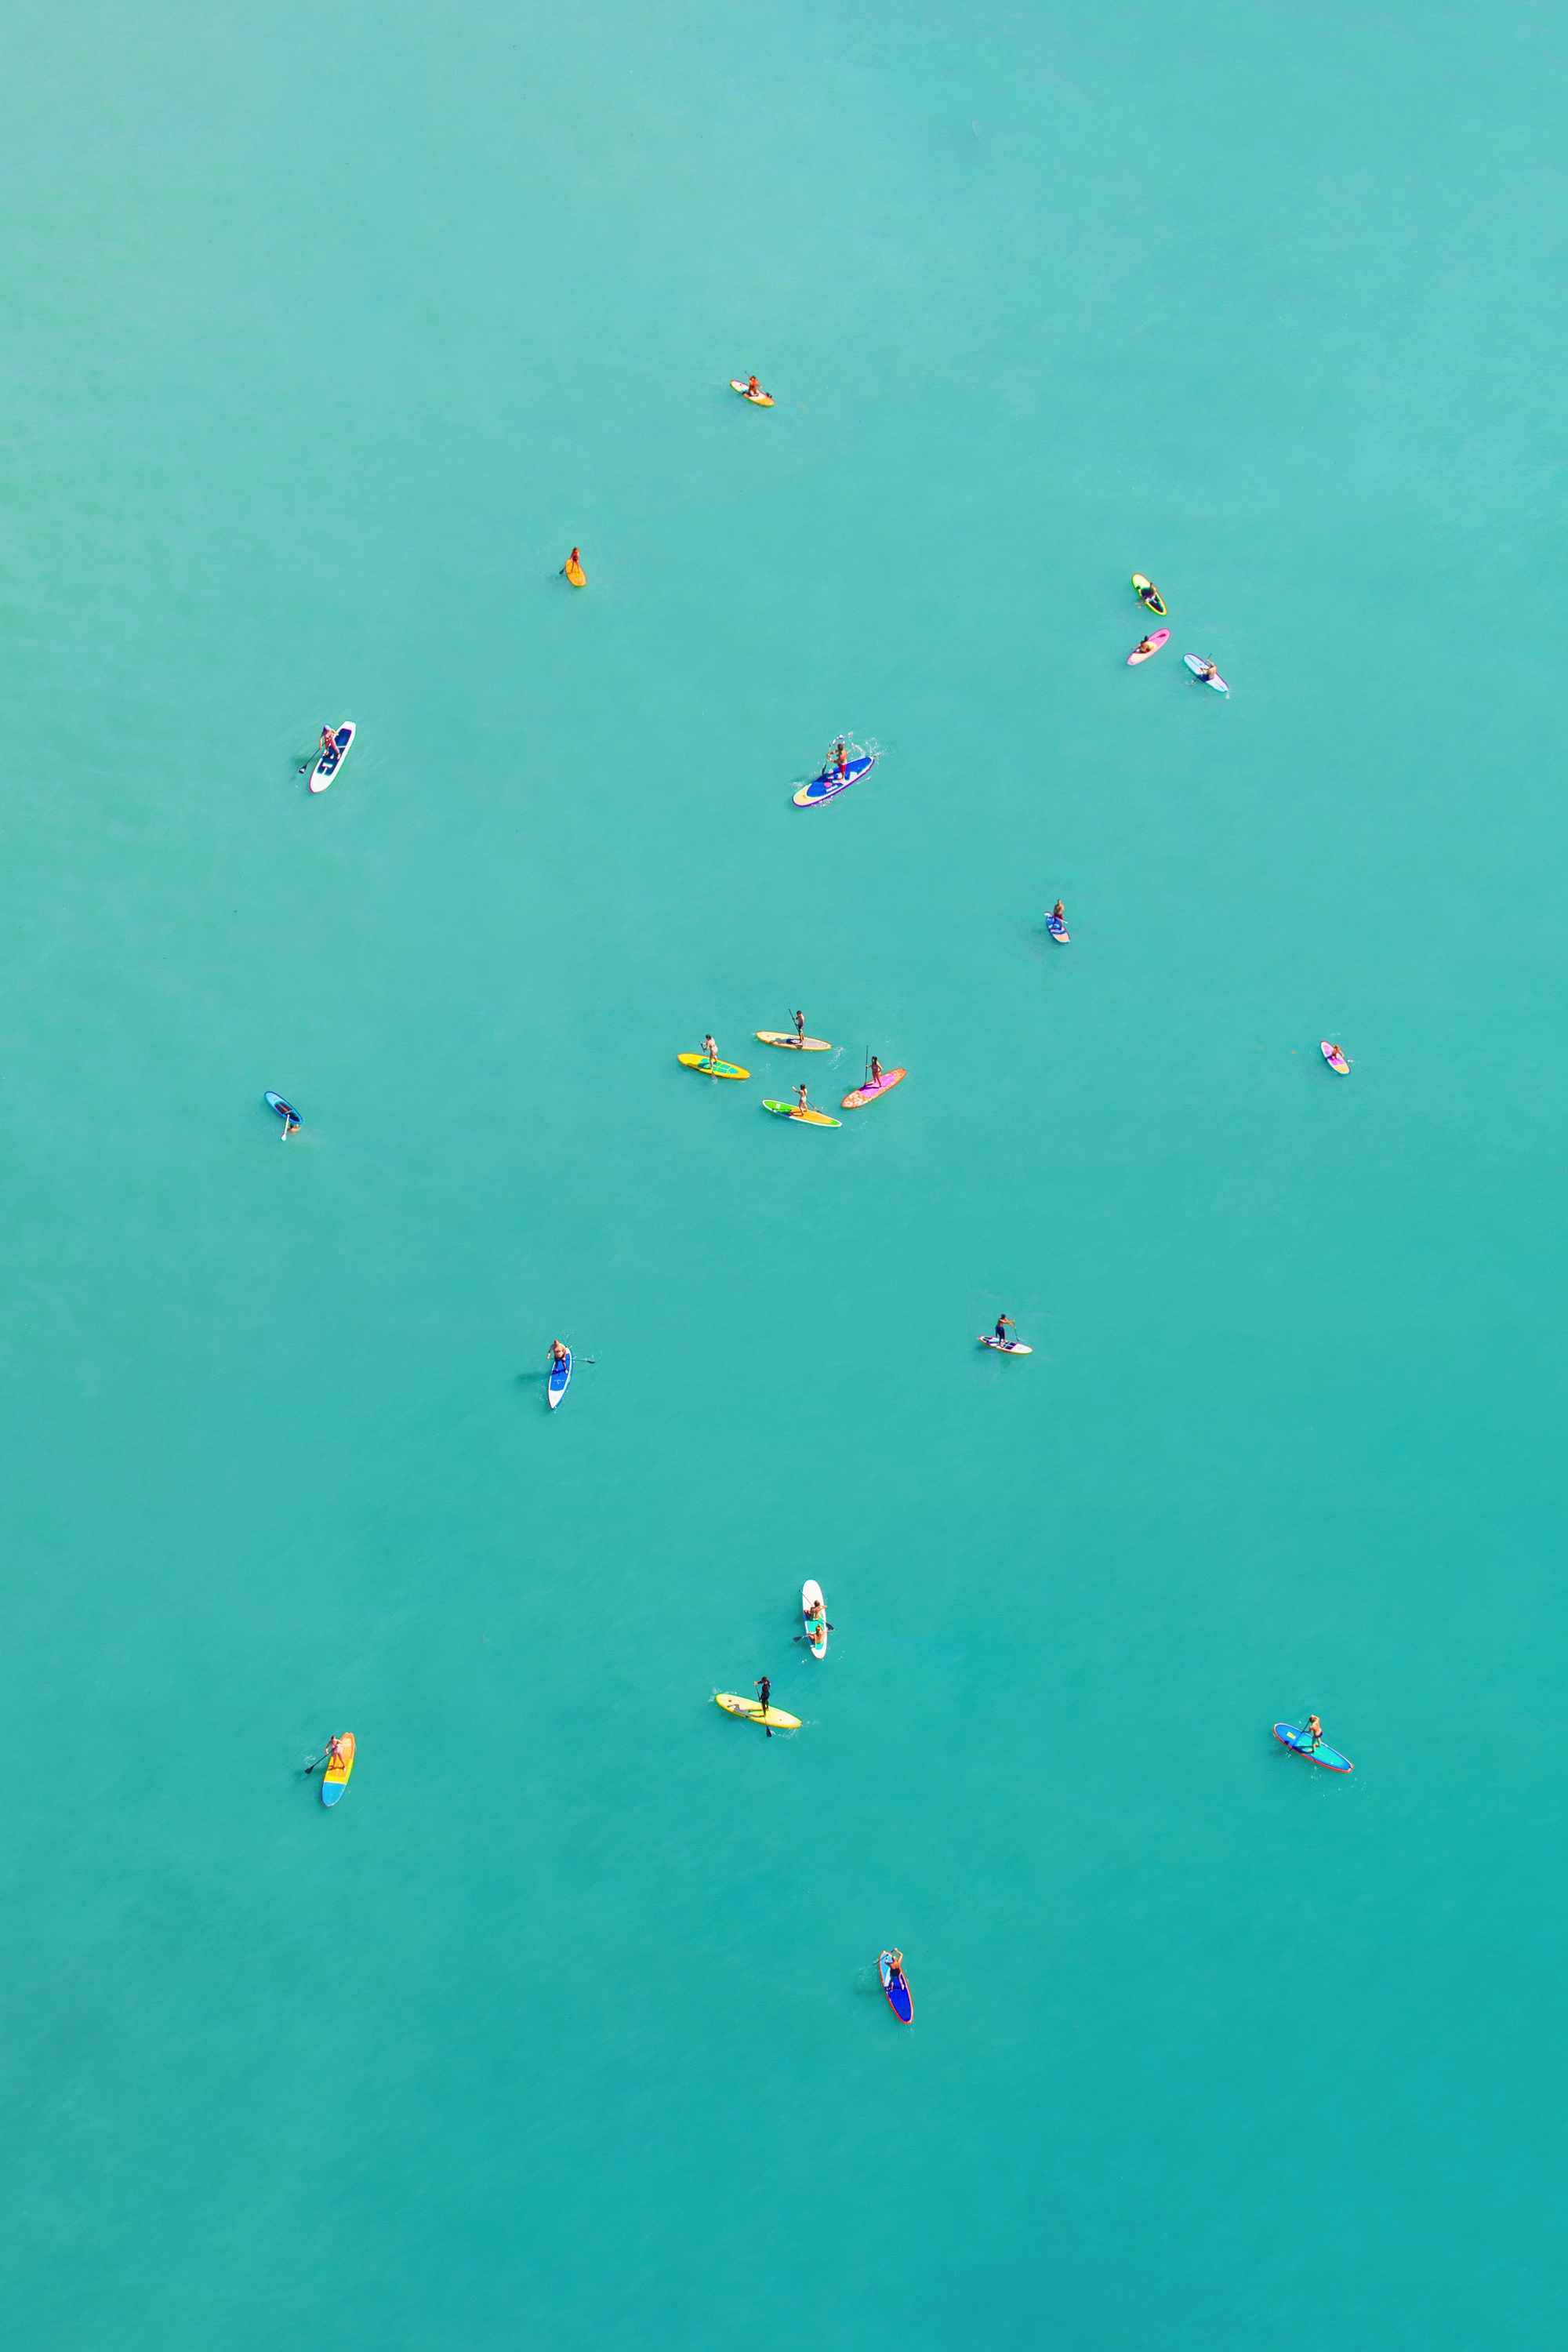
x=327, y=332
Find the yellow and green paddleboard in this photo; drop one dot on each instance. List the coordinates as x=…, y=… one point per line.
x=806, y=1118
x=711, y=1069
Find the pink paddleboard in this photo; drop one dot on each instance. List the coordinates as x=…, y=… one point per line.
x=1335, y=1059
x=869, y=1091
x=1150, y=647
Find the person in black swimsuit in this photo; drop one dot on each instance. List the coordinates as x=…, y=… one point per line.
x=765, y=1696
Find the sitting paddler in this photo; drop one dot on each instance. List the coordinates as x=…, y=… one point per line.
x=558, y=1355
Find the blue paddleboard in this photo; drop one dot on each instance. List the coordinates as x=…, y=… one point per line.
x=560, y=1374
x=285, y=1111
x=901, y=1999
x=1290, y=1735
x=830, y=782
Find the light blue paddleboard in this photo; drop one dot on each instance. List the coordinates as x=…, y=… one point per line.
x=1290, y=1735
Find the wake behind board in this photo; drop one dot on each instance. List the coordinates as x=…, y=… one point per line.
x=806, y=1118
x=335, y=1779
x=285, y=1111
x=327, y=766
x=830, y=783
x=792, y=1044
x=1199, y=668
x=816, y=1631
x=895, y=1984
x=758, y=399
x=560, y=1380
x=872, y=1088
x=1332, y=1054
x=774, y=1718
x=1148, y=595
x=1005, y=1347
x=1290, y=1735
x=711, y=1069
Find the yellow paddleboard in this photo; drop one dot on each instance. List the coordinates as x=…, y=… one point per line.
x=335, y=1779
x=775, y=1718
x=711, y=1069
x=575, y=572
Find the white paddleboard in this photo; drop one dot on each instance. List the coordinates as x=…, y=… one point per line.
x=1008, y=1347
x=810, y=1594
x=1199, y=669
x=327, y=766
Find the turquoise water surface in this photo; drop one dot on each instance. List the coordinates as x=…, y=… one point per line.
x=327, y=332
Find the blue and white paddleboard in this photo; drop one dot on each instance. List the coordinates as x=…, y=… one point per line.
x=1058, y=930
x=559, y=1377
x=285, y=1111
x=1290, y=1735
x=1200, y=671
x=327, y=766
x=829, y=784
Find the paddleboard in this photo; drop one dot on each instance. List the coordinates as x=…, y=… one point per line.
x=327, y=766
x=575, y=572
x=816, y=1635
x=829, y=784
x=1331, y=1054
x=775, y=1718
x=1290, y=1735
x=806, y=1118
x=757, y=399
x=1148, y=595
x=792, y=1044
x=901, y=1999
x=1058, y=930
x=285, y=1111
x=1006, y=1347
x=1147, y=651
x=1197, y=667
x=335, y=1779
x=560, y=1380
x=869, y=1091
x=711, y=1069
